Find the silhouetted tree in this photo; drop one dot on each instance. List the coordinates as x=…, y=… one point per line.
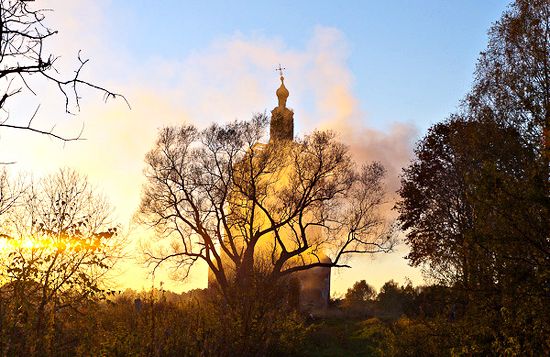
x=467, y=175
x=58, y=245
x=24, y=34
x=10, y=191
x=512, y=75
x=390, y=300
x=360, y=292
x=220, y=196
x=475, y=203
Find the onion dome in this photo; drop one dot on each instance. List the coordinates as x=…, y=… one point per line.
x=282, y=93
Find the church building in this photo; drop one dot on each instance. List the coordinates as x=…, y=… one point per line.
x=314, y=283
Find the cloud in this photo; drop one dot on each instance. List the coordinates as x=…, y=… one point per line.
x=232, y=77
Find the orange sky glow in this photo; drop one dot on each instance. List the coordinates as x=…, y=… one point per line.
x=197, y=88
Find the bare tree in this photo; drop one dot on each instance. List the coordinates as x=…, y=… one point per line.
x=10, y=191
x=220, y=196
x=59, y=244
x=23, y=35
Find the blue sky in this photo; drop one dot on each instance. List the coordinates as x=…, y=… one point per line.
x=412, y=60
x=378, y=73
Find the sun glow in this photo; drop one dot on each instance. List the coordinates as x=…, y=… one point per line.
x=50, y=243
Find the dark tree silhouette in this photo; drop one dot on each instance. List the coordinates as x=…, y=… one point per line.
x=512, y=79
x=23, y=60
x=220, y=196
x=476, y=201
x=468, y=195
x=360, y=292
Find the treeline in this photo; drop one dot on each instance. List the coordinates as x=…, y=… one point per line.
x=398, y=321
x=155, y=323
x=403, y=320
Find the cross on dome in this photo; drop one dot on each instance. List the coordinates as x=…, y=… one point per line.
x=280, y=69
